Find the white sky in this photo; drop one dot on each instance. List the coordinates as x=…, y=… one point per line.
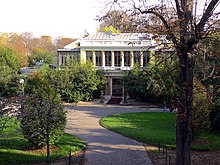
x=67, y=18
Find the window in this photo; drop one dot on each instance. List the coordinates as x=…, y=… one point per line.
x=88, y=56
x=76, y=55
x=146, y=57
x=98, y=58
x=127, y=58
x=62, y=60
x=108, y=57
x=117, y=55
x=137, y=56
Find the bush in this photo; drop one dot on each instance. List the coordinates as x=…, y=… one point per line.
x=9, y=79
x=201, y=109
x=215, y=114
x=76, y=82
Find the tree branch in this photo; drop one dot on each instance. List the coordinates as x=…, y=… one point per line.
x=207, y=14
x=179, y=12
x=171, y=35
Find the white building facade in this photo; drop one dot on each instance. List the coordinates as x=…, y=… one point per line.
x=114, y=54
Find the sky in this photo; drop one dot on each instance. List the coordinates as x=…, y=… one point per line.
x=66, y=18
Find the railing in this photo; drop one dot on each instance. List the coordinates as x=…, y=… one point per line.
x=113, y=68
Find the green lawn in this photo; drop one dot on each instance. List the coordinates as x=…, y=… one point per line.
x=12, y=143
x=154, y=127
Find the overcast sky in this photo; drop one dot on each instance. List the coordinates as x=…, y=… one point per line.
x=67, y=18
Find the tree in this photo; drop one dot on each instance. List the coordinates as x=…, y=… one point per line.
x=110, y=28
x=190, y=28
x=43, y=117
x=45, y=43
x=76, y=82
x=40, y=55
x=117, y=19
x=15, y=42
x=157, y=82
x=9, y=68
x=60, y=42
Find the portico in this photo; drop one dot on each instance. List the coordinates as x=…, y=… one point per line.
x=114, y=54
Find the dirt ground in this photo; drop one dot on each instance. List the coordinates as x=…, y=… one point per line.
x=158, y=158
x=197, y=157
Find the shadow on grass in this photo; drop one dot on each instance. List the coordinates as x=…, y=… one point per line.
x=19, y=157
x=11, y=149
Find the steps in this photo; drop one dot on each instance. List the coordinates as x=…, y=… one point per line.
x=114, y=101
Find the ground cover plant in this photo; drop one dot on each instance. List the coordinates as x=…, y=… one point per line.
x=156, y=128
x=14, y=148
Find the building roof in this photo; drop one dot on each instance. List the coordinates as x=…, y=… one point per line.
x=119, y=36
x=107, y=40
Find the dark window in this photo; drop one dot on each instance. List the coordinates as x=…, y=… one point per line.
x=127, y=58
x=76, y=55
x=137, y=57
x=62, y=60
x=98, y=58
x=88, y=56
x=117, y=55
x=146, y=58
x=108, y=57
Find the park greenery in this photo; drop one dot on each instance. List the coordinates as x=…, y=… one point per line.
x=9, y=68
x=185, y=25
x=158, y=82
x=77, y=82
x=43, y=116
x=198, y=66
x=155, y=128
x=15, y=149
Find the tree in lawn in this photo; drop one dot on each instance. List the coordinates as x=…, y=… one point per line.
x=185, y=28
x=43, y=116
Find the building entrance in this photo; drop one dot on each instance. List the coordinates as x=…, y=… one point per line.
x=117, y=87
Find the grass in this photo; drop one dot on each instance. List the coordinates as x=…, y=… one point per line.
x=154, y=128
x=12, y=143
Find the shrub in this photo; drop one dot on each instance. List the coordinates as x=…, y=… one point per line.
x=215, y=114
x=76, y=82
x=201, y=109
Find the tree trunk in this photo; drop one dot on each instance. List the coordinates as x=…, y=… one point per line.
x=48, y=146
x=183, y=123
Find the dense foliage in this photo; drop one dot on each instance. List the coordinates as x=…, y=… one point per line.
x=77, y=82
x=40, y=55
x=157, y=82
x=201, y=109
x=208, y=73
x=43, y=116
x=215, y=85
x=9, y=67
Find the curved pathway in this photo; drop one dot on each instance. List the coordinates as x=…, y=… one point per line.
x=103, y=146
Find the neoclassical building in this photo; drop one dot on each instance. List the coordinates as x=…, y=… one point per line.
x=114, y=54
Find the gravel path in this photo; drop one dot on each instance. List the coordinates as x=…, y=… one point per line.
x=105, y=147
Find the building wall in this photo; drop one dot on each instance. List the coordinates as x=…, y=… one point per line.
x=111, y=53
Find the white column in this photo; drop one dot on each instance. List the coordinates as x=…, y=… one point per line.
x=112, y=58
x=59, y=60
x=131, y=59
x=141, y=59
x=103, y=58
x=122, y=59
x=93, y=58
x=111, y=86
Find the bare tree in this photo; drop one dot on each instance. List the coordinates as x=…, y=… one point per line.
x=191, y=21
